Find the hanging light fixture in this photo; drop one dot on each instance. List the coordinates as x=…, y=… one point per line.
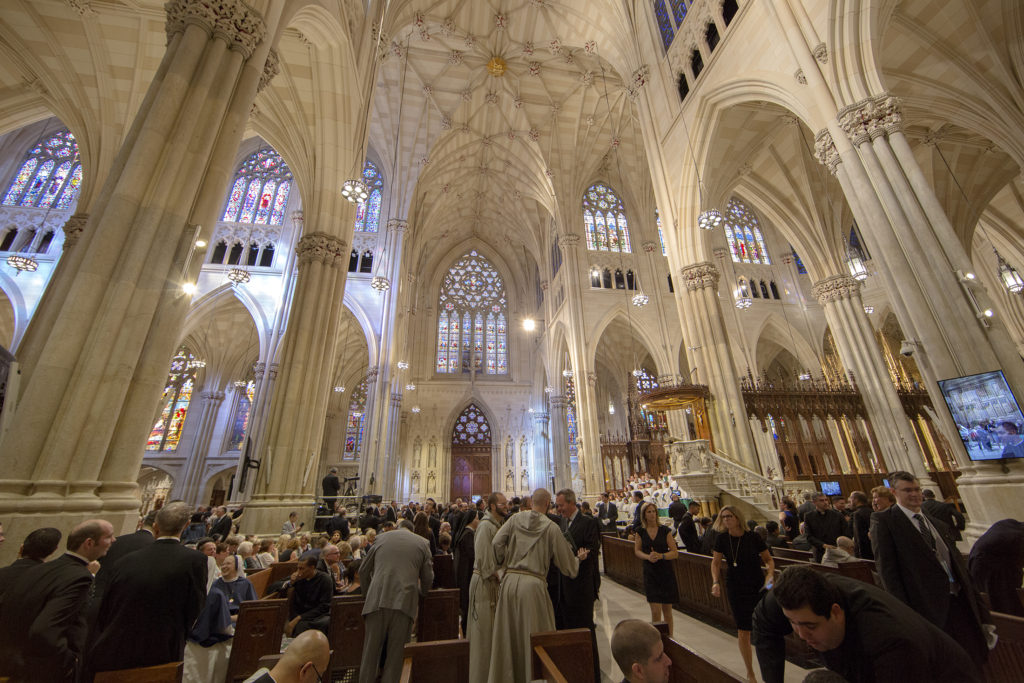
x=637, y=372
x=857, y=268
x=743, y=300
x=640, y=299
x=355, y=190
x=1010, y=277
x=380, y=283
x=339, y=389
x=402, y=365
x=804, y=376
x=567, y=373
x=415, y=409
x=22, y=263
x=710, y=219
x=239, y=276
x=869, y=309
x=410, y=387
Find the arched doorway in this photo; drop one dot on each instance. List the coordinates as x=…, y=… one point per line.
x=471, y=454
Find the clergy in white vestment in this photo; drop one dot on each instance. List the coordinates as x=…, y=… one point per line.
x=526, y=545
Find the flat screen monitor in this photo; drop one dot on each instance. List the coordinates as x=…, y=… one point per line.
x=831, y=488
x=886, y=484
x=986, y=414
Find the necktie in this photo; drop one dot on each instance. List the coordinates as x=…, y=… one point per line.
x=929, y=538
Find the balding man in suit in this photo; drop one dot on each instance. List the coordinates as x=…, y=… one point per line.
x=394, y=574
x=42, y=626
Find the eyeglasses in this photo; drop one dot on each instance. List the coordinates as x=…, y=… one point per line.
x=319, y=678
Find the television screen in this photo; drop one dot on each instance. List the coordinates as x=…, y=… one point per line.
x=986, y=414
x=831, y=488
x=886, y=484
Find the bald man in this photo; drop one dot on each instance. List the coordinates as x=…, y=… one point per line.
x=305, y=661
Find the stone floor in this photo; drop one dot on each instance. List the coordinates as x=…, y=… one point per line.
x=618, y=603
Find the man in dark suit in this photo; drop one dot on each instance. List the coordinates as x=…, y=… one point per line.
x=676, y=511
x=824, y=526
x=861, y=525
x=576, y=596
x=607, y=514
x=805, y=507
x=124, y=545
x=637, y=523
x=151, y=604
x=42, y=629
x=330, y=486
x=38, y=545
x=996, y=564
x=391, y=514
x=918, y=561
x=688, y=528
x=221, y=528
x=945, y=512
x=339, y=523
x=862, y=633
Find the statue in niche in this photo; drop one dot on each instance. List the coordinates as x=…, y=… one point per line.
x=415, y=483
x=522, y=453
x=431, y=483
x=417, y=452
x=432, y=455
x=509, y=482
x=525, y=481
x=508, y=453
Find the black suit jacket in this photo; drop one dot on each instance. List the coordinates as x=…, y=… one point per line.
x=576, y=596
x=948, y=514
x=222, y=527
x=42, y=626
x=885, y=641
x=910, y=569
x=688, y=534
x=12, y=572
x=154, y=597
x=123, y=546
x=390, y=515
x=636, y=524
x=676, y=510
x=823, y=528
x=339, y=524
x=861, y=526
x=330, y=486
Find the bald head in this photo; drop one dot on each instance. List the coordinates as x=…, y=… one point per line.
x=541, y=500
x=306, y=658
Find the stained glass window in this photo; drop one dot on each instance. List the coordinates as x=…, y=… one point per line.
x=857, y=244
x=177, y=394
x=800, y=268
x=679, y=10
x=240, y=425
x=471, y=428
x=356, y=421
x=571, y=425
x=260, y=191
x=604, y=218
x=50, y=176
x=472, y=326
x=664, y=23
x=368, y=213
x=743, y=231
x=661, y=236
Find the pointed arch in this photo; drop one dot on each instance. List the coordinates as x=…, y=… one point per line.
x=472, y=318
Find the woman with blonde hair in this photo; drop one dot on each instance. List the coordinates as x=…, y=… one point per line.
x=655, y=544
x=742, y=551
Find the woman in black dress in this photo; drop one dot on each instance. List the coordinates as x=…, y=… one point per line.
x=656, y=546
x=742, y=551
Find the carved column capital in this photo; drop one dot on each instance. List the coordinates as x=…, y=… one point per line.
x=83, y=7
x=397, y=225
x=258, y=370
x=271, y=68
x=649, y=246
x=820, y=53
x=825, y=150
x=592, y=379
x=230, y=20
x=835, y=288
x=700, y=275
x=557, y=401
x=569, y=240
x=871, y=118
x=273, y=370
x=73, y=229
x=320, y=247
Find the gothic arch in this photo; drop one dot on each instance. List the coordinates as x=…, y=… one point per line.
x=783, y=337
x=647, y=345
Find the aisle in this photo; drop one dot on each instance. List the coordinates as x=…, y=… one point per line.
x=618, y=603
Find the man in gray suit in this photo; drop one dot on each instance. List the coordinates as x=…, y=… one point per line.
x=394, y=574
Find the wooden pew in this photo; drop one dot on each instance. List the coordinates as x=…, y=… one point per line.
x=566, y=656
x=438, y=618
x=162, y=673
x=444, y=571
x=692, y=667
x=1006, y=661
x=445, y=661
x=260, y=580
x=346, y=634
x=793, y=554
x=257, y=632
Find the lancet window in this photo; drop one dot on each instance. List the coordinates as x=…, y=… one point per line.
x=604, y=218
x=356, y=421
x=166, y=432
x=260, y=191
x=472, y=324
x=243, y=410
x=368, y=213
x=50, y=176
x=743, y=231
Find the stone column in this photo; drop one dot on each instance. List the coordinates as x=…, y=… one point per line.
x=713, y=358
x=289, y=476
x=379, y=459
x=839, y=296
x=187, y=485
x=559, y=442
x=541, y=452
x=117, y=303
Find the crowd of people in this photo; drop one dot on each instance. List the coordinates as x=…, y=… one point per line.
x=172, y=590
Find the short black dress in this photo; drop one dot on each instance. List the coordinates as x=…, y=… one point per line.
x=659, y=577
x=744, y=578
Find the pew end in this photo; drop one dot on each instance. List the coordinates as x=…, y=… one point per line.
x=161, y=673
x=444, y=661
x=568, y=653
x=257, y=633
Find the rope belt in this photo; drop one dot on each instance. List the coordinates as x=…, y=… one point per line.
x=535, y=575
